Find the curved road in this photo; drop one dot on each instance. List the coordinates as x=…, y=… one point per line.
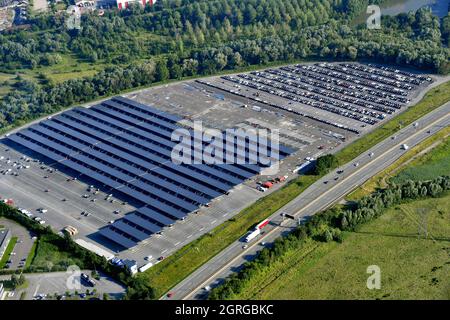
x=317, y=197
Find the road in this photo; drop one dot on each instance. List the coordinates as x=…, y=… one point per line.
x=317, y=197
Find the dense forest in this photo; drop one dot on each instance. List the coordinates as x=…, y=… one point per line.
x=181, y=38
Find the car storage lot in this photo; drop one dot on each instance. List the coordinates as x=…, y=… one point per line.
x=267, y=99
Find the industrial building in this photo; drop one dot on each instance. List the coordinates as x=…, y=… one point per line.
x=5, y=236
x=126, y=146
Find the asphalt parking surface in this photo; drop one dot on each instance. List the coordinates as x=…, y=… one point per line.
x=24, y=242
x=62, y=282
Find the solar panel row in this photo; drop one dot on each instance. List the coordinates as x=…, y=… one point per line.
x=127, y=146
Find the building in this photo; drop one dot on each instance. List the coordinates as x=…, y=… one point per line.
x=85, y=6
x=123, y=4
x=5, y=236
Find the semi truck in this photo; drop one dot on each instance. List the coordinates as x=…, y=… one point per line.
x=256, y=231
x=262, y=224
x=252, y=235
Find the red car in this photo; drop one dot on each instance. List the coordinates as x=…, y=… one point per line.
x=169, y=295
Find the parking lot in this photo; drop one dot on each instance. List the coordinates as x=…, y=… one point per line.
x=45, y=284
x=23, y=245
x=349, y=96
x=317, y=108
x=33, y=185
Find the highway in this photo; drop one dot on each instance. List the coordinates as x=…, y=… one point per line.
x=322, y=194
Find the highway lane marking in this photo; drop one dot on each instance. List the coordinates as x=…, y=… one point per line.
x=323, y=194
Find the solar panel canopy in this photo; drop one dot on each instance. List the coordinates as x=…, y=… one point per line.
x=127, y=146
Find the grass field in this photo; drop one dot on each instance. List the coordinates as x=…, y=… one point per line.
x=48, y=256
x=31, y=255
x=6, y=254
x=6, y=81
x=411, y=267
x=429, y=159
x=430, y=165
x=70, y=67
x=178, y=266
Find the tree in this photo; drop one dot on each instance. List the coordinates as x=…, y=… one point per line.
x=161, y=71
x=139, y=289
x=344, y=222
x=323, y=164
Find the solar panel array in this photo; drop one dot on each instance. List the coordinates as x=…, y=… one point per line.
x=127, y=146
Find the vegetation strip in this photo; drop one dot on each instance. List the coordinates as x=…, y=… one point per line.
x=7, y=253
x=329, y=225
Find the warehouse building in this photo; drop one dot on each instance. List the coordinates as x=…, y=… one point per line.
x=127, y=148
x=5, y=236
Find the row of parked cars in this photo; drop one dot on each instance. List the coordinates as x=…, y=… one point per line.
x=391, y=73
x=353, y=76
x=345, y=102
x=356, y=94
x=303, y=97
x=280, y=107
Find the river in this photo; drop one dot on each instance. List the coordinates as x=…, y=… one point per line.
x=394, y=7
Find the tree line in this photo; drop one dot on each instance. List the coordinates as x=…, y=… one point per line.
x=329, y=225
x=411, y=39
